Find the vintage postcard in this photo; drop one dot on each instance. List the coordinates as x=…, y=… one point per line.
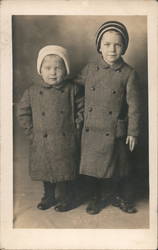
x=79, y=124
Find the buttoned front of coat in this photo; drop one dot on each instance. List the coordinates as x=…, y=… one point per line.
x=111, y=113
x=48, y=116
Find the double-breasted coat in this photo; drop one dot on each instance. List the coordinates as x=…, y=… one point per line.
x=49, y=117
x=112, y=112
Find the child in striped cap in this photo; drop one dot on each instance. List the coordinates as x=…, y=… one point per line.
x=111, y=126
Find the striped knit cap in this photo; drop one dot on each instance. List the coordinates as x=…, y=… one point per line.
x=112, y=25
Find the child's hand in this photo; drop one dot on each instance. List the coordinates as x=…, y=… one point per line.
x=78, y=126
x=132, y=141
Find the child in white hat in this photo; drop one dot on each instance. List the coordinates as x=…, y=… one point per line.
x=50, y=112
x=112, y=116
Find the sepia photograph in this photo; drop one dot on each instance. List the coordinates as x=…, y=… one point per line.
x=81, y=156
x=84, y=149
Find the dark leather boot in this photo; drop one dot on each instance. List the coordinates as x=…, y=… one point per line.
x=65, y=198
x=64, y=206
x=48, y=200
x=125, y=205
x=95, y=205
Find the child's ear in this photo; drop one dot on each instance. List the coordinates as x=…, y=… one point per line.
x=123, y=52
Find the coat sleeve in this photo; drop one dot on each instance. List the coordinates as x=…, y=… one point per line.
x=24, y=113
x=79, y=105
x=133, y=101
x=82, y=76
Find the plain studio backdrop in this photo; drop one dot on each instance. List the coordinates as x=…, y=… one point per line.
x=77, y=34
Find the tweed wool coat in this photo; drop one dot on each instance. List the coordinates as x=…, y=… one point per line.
x=112, y=111
x=50, y=117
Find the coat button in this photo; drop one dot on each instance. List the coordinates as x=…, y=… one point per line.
x=45, y=135
x=87, y=129
x=107, y=134
x=90, y=109
x=43, y=113
x=118, y=70
x=97, y=67
x=61, y=112
x=110, y=112
x=41, y=92
x=63, y=134
x=93, y=88
x=114, y=92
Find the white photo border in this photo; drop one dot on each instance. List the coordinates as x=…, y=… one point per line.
x=12, y=238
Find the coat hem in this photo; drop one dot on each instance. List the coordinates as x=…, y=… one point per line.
x=112, y=175
x=96, y=176
x=54, y=180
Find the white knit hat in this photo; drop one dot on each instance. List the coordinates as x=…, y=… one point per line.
x=56, y=50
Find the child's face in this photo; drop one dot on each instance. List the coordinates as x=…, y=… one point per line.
x=53, y=69
x=111, y=46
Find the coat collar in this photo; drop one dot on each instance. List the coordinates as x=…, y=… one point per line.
x=57, y=87
x=104, y=65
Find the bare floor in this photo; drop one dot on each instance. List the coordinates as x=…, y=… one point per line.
x=28, y=193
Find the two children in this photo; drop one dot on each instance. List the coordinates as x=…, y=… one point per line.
x=51, y=111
